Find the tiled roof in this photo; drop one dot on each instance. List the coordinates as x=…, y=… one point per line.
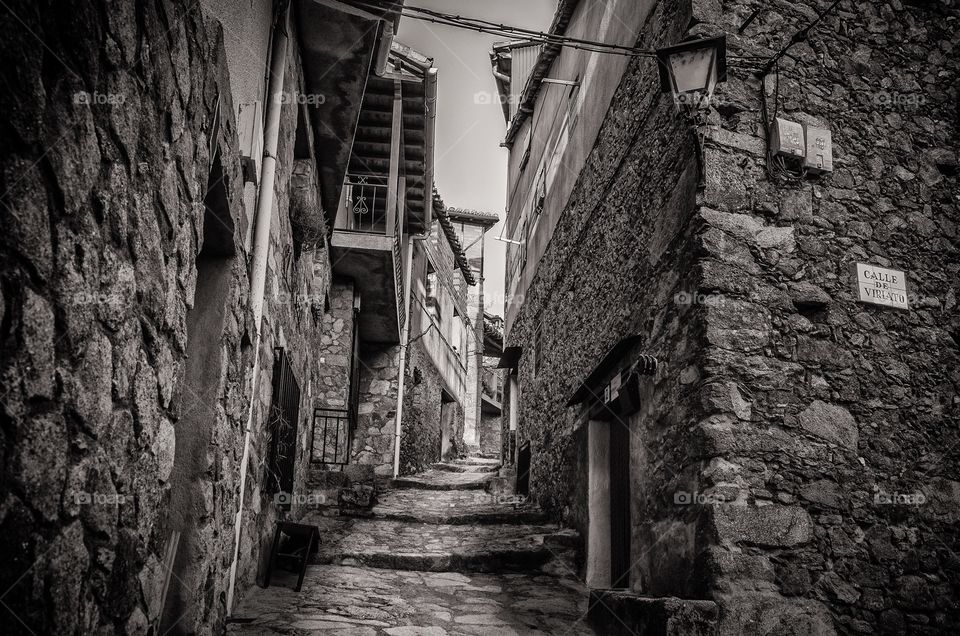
x=458, y=254
x=474, y=216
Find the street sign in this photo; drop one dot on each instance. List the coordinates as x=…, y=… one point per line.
x=882, y=286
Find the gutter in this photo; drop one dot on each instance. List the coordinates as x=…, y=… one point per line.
x=383, y=49
x=261, y=251
x=549, y=52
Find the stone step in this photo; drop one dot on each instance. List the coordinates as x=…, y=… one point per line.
x=444, y=480
x=466, y=468
x=477, y=461
x=456, y=507
x=358, y=600
x=425, y=547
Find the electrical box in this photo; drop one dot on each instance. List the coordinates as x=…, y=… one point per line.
x=786, y=138
x=819, y=155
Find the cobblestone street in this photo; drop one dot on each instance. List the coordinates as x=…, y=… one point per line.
x=443, y=558
x=440, y=317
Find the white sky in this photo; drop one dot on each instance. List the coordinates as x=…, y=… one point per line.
x=471, y=167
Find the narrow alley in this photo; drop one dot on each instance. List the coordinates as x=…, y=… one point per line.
x=438, y=555
x=450, y=317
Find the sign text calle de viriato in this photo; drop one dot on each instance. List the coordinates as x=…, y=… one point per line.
x=882, y=286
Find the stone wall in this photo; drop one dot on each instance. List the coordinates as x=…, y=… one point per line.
x=785, y=412
x=377, y=410
x=106, y=155
x=420, y=434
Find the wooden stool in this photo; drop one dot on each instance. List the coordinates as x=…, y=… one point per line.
x=294, y=531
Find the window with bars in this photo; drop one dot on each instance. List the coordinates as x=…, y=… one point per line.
x=282, y=420
x=331, y=436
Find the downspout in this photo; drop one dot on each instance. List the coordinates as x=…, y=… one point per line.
x=383, y=48
x=404, y=344
x=261, y=250
x=429, y=134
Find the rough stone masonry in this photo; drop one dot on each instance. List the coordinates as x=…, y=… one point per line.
x=816, y=421
x=108, y=165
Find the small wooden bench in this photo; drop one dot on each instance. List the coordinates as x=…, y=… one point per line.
x=298, y=532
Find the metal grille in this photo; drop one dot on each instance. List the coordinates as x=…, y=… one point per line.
x=331, y=436
x=283, y=418
x=367, y=199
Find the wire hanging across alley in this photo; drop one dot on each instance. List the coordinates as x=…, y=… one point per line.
x=508, y=31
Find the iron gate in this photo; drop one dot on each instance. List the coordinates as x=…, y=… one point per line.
x=331, y=436
x=283, y=418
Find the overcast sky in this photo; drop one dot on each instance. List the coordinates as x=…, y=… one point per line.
x=471, y=167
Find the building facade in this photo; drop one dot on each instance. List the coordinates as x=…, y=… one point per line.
x=207, y=261
x=471, y=227
x=769, y=473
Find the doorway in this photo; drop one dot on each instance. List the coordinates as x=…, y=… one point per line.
x=523, y=469
x=608, y=505
x=619, y=504
x=447, y=413
x=200, y=391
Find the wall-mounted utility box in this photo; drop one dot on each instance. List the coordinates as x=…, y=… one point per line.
x=819, y=151
x=786, y=138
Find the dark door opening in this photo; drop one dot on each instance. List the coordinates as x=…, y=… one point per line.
x=447, y=413
x=523, y=469
x=199, y=392
x=619, y=505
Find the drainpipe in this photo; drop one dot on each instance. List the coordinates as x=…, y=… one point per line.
x=404, y=345
x=383, y=49
x=261, y=250
x=429, y=134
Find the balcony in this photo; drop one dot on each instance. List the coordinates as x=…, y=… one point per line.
x=365, y=246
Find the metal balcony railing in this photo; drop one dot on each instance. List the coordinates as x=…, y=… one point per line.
x=331, y=436
x=366, y=200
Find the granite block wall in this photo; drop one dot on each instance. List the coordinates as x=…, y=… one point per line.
x=105, y=172
x=794, y=457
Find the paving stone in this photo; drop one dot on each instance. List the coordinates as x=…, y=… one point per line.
x=408, y=601
x=445, y=480
x=409, y=571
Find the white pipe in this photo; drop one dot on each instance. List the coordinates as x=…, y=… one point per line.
x=383, y=51
x=261, y=250
x=404, y=344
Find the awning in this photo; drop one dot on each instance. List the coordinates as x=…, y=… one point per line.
x=593, y=385
x=510, y=357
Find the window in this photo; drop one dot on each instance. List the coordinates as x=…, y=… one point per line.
x=432, y=296
x=539, y=192
x=573, y=105
x=283, y=417
x=527, y=142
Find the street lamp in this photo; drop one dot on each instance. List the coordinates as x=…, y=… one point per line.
x=691, y=70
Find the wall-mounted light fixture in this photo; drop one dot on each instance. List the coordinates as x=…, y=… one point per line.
x=691, y=71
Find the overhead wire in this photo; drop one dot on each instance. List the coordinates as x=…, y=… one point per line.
x=494, y=28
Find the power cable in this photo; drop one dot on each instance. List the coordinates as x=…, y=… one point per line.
x=502, y=30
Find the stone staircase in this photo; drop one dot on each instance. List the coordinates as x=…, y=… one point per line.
x=437, y=554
